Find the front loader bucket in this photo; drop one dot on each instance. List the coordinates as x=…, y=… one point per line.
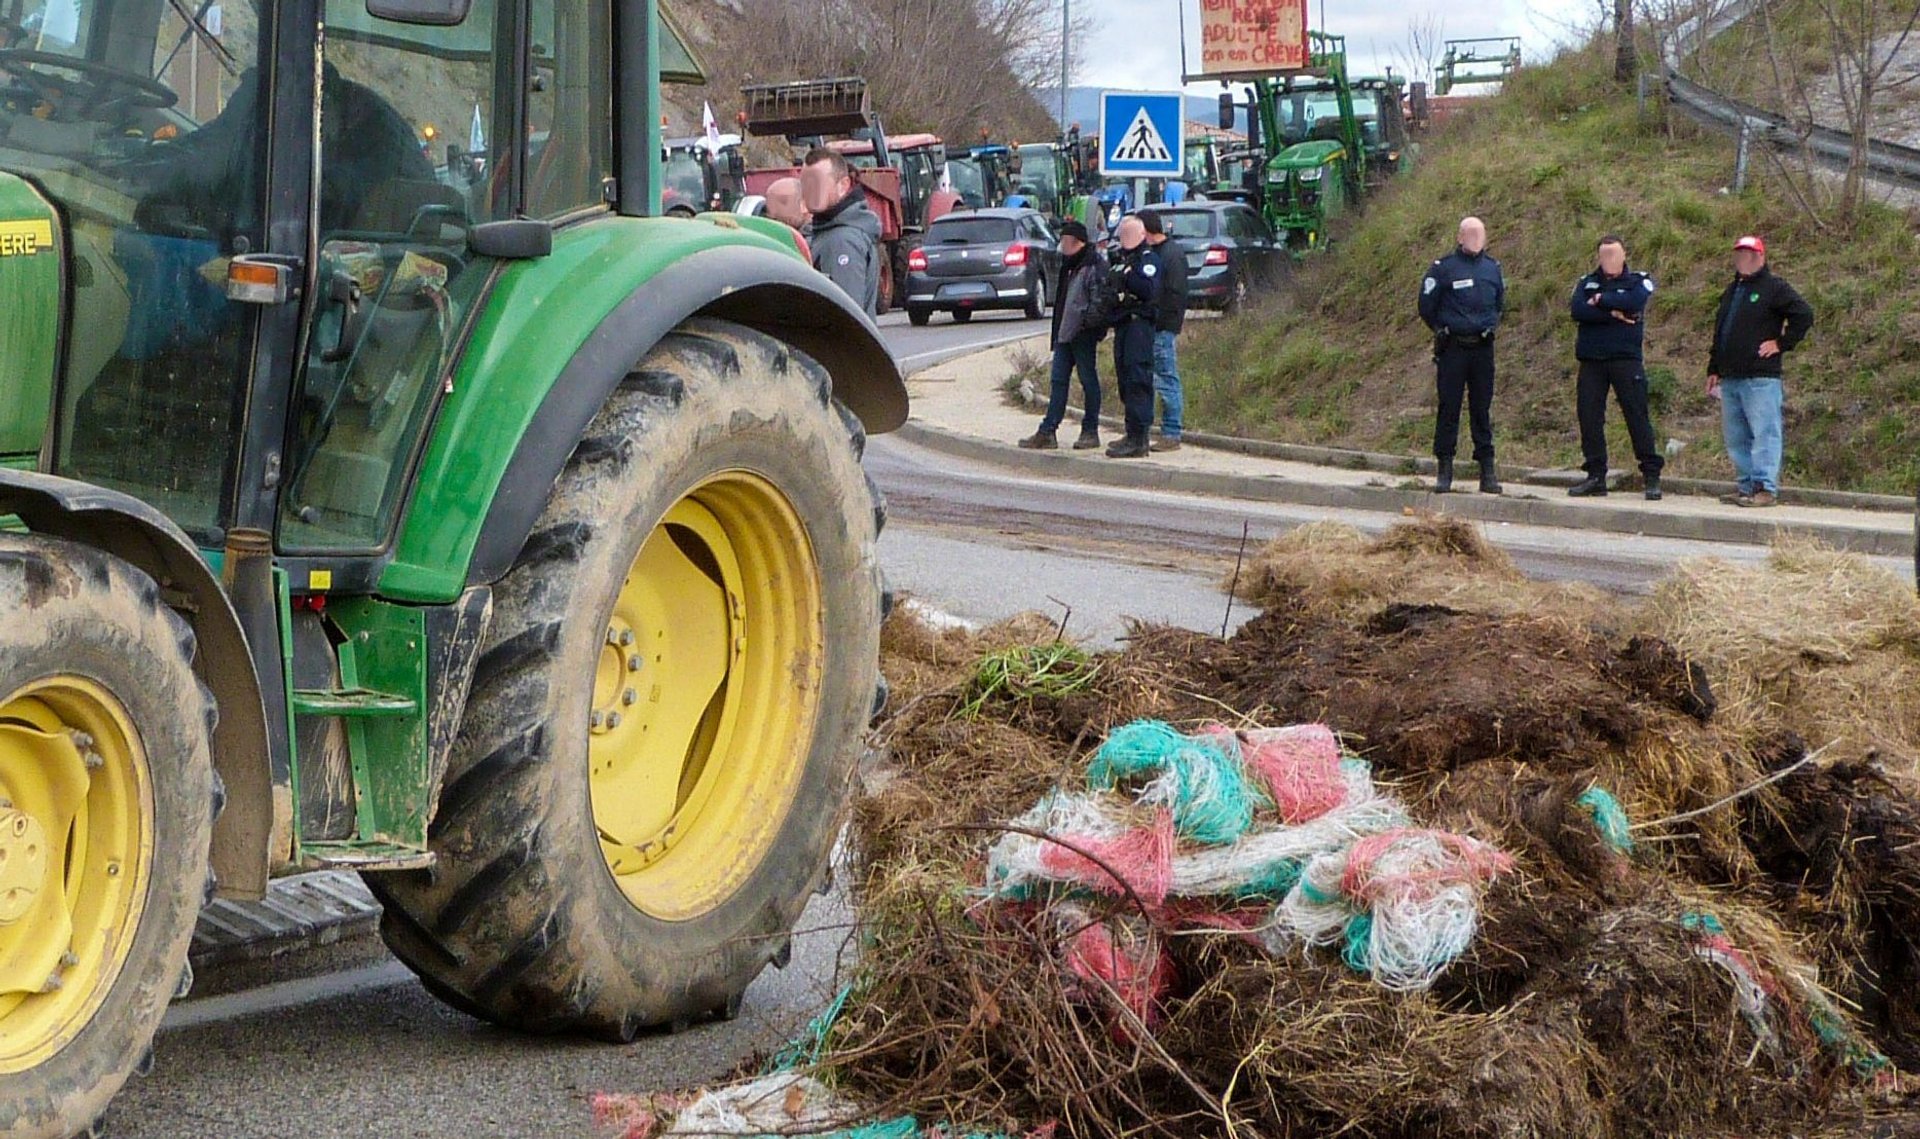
x=807, y=108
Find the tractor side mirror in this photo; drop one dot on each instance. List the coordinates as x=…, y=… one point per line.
x=1228, y=112
x=736, y=165
x=430, y=13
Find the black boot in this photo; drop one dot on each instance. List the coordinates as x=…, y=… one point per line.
x=1042, y=440
x=1128, y=449
x=1594, y=486
x=1653, y=488
x=1443, y=478
x=1488, y=483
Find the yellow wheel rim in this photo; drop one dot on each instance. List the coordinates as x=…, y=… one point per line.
x=705, y=696
x=76, y=850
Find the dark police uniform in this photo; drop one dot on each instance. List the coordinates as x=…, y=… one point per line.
x=1461, y=301
x=1610, y=353
x=1142, y=276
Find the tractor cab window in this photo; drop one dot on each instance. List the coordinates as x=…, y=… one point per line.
x=1040, y=178
x=144, y=126
x=684, y=180
x=412, y=153
x=968, y=180
x=1309, y=115
x=570, y=107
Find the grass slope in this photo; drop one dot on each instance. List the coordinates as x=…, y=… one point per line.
x=1559, y=158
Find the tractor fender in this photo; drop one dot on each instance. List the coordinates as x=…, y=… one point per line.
x=770, y=292
x=248, y=835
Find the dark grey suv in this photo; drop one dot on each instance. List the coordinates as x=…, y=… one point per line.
x=972, y=260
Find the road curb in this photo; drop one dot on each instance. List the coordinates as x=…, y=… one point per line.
x=1742, y=528
x=1406, y=466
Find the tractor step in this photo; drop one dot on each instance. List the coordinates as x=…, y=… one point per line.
x=354, y=702
x=352, y=855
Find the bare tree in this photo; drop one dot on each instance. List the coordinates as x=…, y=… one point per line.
x=1626, y=58
x=1866, y=40
x=1420, y=55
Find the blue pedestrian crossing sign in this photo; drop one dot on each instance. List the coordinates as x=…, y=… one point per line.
x=1142, y=133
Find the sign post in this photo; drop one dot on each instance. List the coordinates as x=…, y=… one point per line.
x=1142, y=134
x=1252, y=37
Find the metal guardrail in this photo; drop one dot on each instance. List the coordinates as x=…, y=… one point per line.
x=1888, y=161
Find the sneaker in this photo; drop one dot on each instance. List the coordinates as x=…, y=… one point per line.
x=1761, y=498
x=1040, y=441
x=1162, y=446
x=1128, y=449
x=1088, y=441
x=1590, y=487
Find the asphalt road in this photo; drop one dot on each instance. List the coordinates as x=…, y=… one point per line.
x=347, y=1044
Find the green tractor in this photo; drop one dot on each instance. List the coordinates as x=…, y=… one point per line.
x=447, y=516
x=1050, y=179
x=1332, y=140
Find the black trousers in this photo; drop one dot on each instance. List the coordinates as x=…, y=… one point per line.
x=1133, y=366
x=1464, y=371
x=1628, y=379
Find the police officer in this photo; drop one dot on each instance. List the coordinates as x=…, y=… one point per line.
x=1610, y=306
x=1140, y=279
x=1461, y=301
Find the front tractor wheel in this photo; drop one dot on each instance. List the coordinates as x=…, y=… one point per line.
x=107, y=797
x=663, y=723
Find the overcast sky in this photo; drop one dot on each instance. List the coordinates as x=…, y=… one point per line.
x=1136, y=44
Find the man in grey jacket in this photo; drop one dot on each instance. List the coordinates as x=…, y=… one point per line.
x=846, y=234
x=1077, y=330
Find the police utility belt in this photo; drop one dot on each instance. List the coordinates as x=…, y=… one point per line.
x=1448, y=338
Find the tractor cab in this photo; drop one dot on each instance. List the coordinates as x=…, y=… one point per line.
x=698, y=176
x=919, y=159
x=351, y=379
x=983, y=177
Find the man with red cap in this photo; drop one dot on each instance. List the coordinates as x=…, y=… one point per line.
x=1761, y=319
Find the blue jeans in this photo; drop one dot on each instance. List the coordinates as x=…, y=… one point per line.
x=1076, y=354
x=1166, y=383
x=1750, y=411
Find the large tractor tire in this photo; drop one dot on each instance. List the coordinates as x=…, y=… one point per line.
x=107, y=798
x=665, y=717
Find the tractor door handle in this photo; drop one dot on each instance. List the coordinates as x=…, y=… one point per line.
x=342, y=290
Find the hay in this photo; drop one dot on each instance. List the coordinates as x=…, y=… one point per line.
x=1815, y=641
x=1657, y=962
x=1429, y=560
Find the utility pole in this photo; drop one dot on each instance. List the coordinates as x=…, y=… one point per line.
x=1066, y=57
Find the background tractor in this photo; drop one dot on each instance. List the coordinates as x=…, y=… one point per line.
x=446, y=515
x=1330, y=138
x=901, y=178
x=698, y=177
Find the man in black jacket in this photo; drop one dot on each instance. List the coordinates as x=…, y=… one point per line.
x=1077, y=330
x=1761, y=319
x=1139, y=274
x=1167, y=324
x=1462, y=299
x=1610, y=306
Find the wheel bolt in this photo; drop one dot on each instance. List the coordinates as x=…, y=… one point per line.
x=598, y=718
x=613, y=635
x=613, y=720
x=633, y=663
x=629, y=698
x=626, y=638
x=81, y=740
x=92, y=759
